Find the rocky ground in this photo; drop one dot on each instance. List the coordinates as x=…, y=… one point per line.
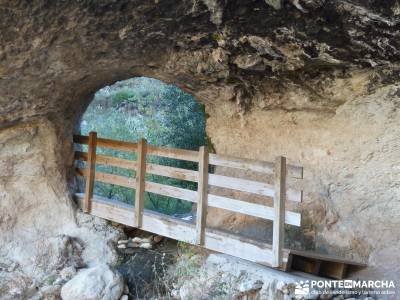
x=83, y=251
x=151, y=267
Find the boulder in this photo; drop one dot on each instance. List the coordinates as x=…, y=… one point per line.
x=96, y=283
x=223, y=276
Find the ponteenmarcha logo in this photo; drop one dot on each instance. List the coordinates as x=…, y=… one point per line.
x=346, y=287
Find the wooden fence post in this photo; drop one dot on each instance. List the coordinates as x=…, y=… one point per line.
x=91, y=170
x=279, y=211
x=140, y=181
x=202, y=190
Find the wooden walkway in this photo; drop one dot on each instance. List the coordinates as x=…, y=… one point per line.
x=178, y=229
x=194, y=233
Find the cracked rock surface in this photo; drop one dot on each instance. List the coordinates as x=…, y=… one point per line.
x=48, y=47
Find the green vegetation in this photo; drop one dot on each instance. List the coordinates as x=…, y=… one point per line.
x=148, y=108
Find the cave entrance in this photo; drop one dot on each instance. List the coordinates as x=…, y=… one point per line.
x=147, y=108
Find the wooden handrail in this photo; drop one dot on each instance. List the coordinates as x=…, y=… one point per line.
x=252, y=165
x=190, y=155
x=107, y=143
x=202, y=197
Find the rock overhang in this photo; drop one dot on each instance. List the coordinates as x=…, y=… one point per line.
x=55, y=55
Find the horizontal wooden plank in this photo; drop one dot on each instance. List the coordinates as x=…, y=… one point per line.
x=116, y=179
x=177, y=173
x=171, y=191
x=215, y=240
x=237, y=247
x=239, y=206
x=243, y=185
x=181, y=154
x=110, y=178
x=116, y=145
x=107, y=143
x=238, y=184
x=108, y=160
x=252, y=165
x=116, y=162
x=250, y=186
x=167, y=171
x=326, y=257
x=112, y=210
x=241, y=163
x=251, y=209
x=189, y=155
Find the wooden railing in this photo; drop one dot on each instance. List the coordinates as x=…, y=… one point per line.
x=199, y=234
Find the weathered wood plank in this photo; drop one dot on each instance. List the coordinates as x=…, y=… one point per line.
x=279, y=211
x=251, y=209
x=118, y=145
x=181, y=154
x=108, y=160
x=243, y=185
x=235, y=246
x=167, y=171
x=152, y=187
x=171, y=191
x=177, y=173
x=325, y=257
x=250, y=186
x=241, y=163
x=234, y=205
x=112, y=210
x=116, y=179
x=215, y=159
x=202, y=193
x=91, y=170
x=116, y=162
x=179, y=230
x=110, y=178
x=140, y=182
x=107, y=143
x=252, y=165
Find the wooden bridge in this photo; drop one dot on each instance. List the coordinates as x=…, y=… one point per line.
x=198, y=233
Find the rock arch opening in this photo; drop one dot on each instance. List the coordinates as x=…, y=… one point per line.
x=148, y=108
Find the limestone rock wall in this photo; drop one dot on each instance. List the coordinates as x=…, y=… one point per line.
x=351, y=170
x=42, y=236
x=33, y=194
